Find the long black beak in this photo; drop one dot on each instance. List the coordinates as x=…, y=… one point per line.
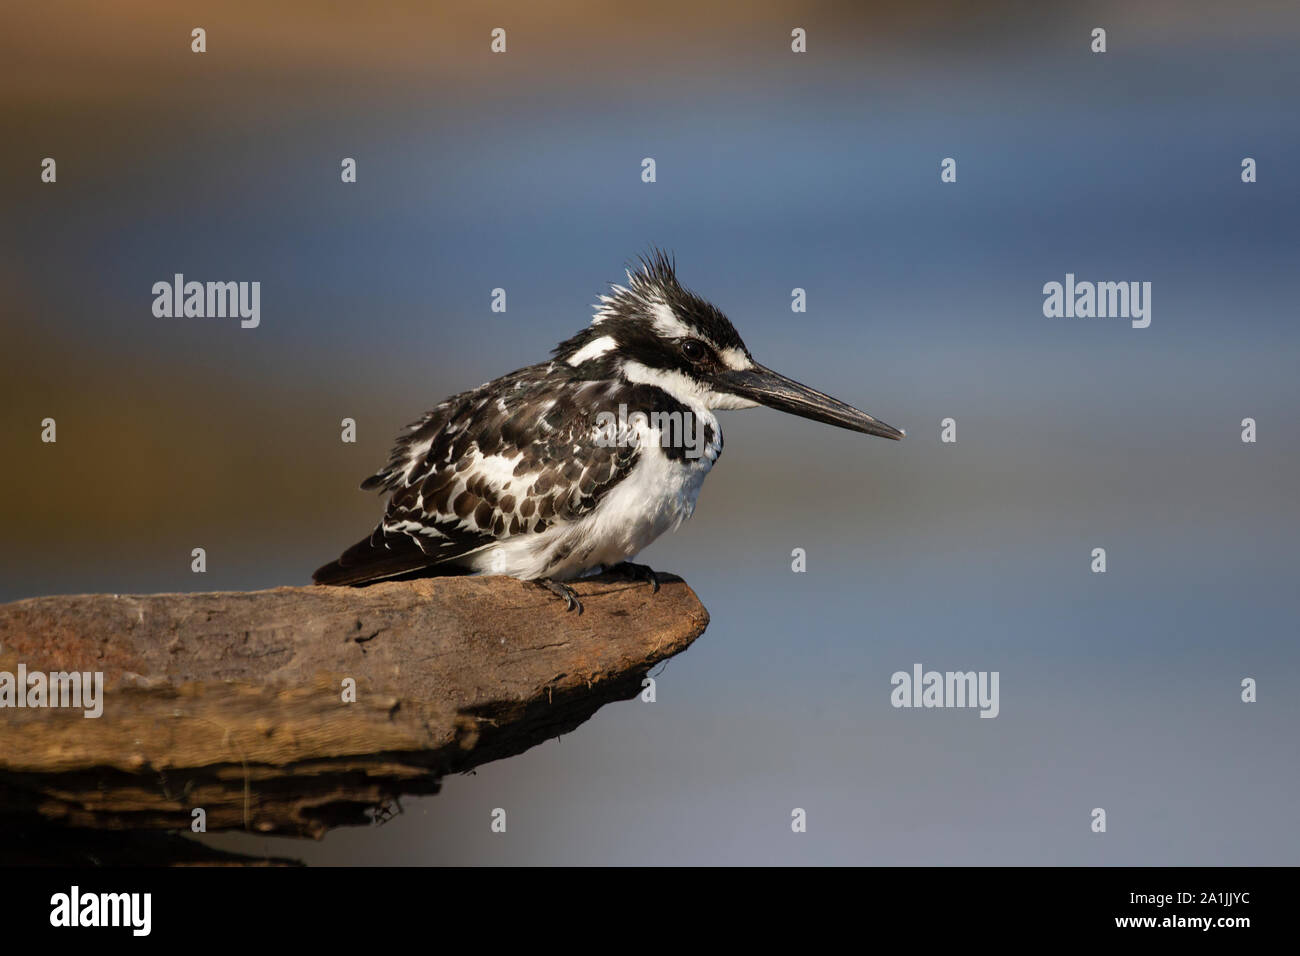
x=762, y=385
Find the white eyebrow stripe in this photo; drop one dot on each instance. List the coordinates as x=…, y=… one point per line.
x=666, y=322
x=593, y=349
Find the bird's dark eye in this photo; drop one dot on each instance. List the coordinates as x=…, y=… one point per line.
x=694, y=349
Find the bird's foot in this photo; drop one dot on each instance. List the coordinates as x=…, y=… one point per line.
x=637, y=572
x=563, y=590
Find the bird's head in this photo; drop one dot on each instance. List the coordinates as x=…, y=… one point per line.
x=655, y=331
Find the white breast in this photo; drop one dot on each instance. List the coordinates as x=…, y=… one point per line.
x=658, y=495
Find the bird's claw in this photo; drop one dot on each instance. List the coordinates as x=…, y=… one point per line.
x=563, y=590
x=638, y=572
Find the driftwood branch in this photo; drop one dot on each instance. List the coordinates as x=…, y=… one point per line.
x=233, y=702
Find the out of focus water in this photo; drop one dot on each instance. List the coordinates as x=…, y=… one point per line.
x=774, y=171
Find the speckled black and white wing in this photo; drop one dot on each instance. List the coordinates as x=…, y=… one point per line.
x=509, y=461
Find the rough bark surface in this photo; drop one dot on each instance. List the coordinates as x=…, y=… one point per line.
x=233, y=702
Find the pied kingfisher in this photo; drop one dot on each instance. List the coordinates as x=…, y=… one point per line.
x=576, y=464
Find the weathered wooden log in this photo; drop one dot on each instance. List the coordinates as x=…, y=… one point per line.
x=238, y=703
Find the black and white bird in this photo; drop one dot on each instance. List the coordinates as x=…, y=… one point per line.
x=575, y=465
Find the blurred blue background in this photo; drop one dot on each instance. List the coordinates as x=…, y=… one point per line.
x=775, y=171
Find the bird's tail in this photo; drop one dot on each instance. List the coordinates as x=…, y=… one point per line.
x=368, y=561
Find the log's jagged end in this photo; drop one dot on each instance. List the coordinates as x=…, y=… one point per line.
x=297, y=709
